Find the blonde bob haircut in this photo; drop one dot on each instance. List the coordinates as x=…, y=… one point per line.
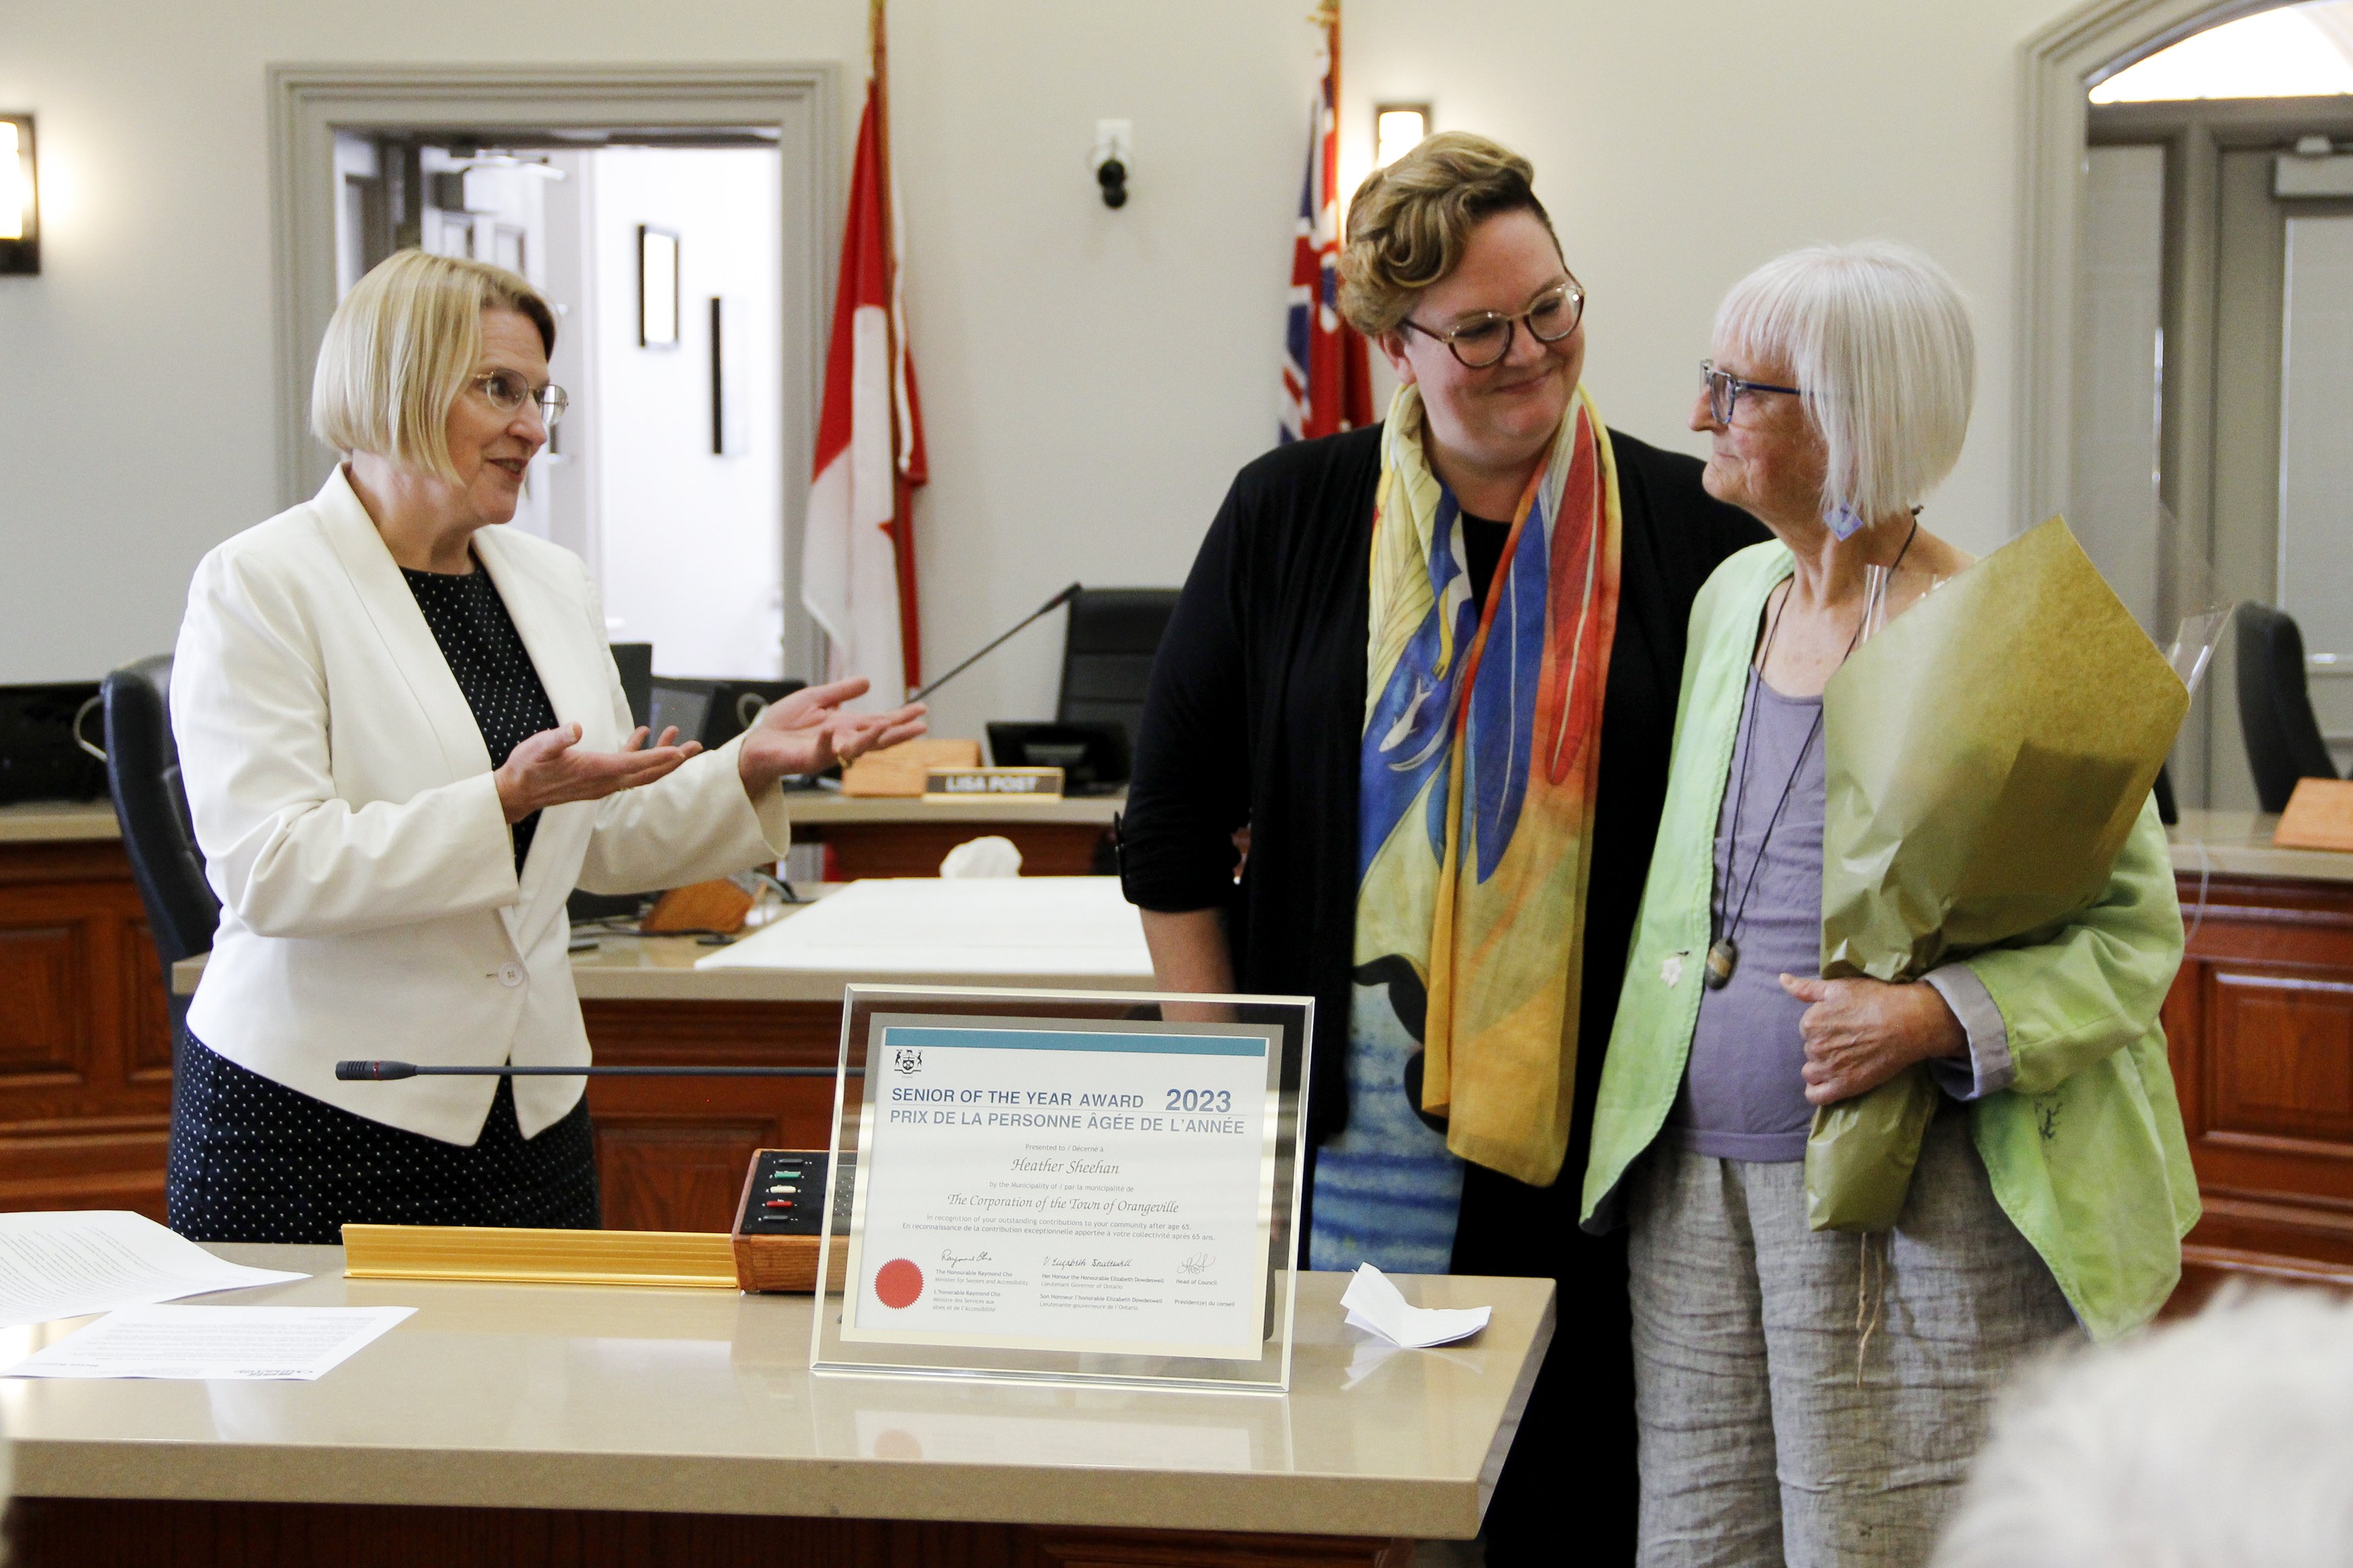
x=402, y=346
x=1409, y=223
x=1877, y=338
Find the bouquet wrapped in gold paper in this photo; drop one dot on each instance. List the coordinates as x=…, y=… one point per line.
x=1986, y=753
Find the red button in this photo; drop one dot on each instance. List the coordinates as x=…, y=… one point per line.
x=778, y=1204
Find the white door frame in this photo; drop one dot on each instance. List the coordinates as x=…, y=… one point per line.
x=2057, y=68
x=308, y=103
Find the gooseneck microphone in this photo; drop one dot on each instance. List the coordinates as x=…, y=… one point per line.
x=379, y=1072
x=1056, y=602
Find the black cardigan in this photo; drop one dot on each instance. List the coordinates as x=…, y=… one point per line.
x=1256, y=711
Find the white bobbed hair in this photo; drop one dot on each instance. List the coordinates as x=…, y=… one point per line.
x=2219, y=1442
x=1877, y=338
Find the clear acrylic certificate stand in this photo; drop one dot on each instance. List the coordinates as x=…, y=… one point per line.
x=1071, y=1187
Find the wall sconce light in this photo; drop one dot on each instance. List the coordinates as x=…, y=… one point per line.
x=20, y=207
x=1397, y=127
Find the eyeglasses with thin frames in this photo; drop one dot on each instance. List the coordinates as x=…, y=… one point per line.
x=1482, y=340
x=506, y=392
x=1724, y=390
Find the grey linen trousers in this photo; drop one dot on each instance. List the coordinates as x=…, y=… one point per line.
x=1815, y=1398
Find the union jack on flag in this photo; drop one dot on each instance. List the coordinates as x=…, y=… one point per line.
x=1326, y=379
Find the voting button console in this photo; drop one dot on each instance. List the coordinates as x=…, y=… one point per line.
x=780, y=1224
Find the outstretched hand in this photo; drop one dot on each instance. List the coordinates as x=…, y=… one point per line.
x=1861, y=1033
x=551, y=768
x=808, y=732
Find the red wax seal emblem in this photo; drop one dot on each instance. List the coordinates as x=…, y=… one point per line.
x=898, y=1282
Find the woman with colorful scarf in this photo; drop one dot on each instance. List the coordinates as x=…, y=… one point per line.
x=1432, y=667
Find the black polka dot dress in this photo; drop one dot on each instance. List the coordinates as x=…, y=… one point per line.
x=252, y=1160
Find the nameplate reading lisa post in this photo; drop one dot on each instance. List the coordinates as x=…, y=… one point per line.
x=993, y=784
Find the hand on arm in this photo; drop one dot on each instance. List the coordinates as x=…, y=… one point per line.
x=551, y=768
x=807, y=733
x=1861, y=1033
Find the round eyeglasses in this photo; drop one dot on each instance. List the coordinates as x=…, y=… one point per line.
x=1482, y=340
x=1724, y=390
x=506, y=392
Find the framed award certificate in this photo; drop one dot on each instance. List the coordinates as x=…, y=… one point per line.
x=1066, y=1186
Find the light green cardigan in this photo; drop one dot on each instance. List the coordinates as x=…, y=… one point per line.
x=2085, y=1148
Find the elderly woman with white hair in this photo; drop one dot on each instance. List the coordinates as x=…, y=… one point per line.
x=1814, y=1397
x=403, y=744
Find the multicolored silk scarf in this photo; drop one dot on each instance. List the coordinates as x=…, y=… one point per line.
x=1482, y=745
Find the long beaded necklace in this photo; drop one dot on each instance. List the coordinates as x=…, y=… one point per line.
x=1723, y=952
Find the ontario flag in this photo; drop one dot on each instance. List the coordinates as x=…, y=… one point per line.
x=858, y=552
x=1326, y=380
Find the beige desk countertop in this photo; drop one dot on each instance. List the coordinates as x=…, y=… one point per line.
x=624, y=968
x=701, y=1402
x=59, y=821
x=2239, y=844
x=821, y=809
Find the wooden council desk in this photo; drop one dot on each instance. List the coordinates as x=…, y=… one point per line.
x=870, y=836
x=2260, y=1028
x=86, y=1041
x=2260, y=1023
x=516, y=1425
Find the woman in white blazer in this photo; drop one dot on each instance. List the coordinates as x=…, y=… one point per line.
x=403, y=744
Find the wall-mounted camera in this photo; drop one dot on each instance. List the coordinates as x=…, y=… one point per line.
x=1110, y=159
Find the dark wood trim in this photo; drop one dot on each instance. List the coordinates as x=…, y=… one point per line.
x=56, y=1533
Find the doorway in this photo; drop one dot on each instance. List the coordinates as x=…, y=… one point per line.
x=676, y=219
x=662, y=261
x=2212, y=453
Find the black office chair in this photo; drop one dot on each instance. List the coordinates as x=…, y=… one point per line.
x=142, y=774
x=634, y=663
x=2275, y=716
x=1107, y=655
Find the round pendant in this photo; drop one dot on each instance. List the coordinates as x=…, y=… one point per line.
x=1722, y=959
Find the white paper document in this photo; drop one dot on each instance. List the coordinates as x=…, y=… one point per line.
x=1376, y=1306
x=238, y=1343
x=1104, y=1188
x=71, y=1264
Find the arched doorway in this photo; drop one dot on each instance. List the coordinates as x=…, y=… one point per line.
x=2189, y=259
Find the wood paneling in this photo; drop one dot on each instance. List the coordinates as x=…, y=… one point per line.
x=85, y=1034
x=672, y=1153
x=673, y=1173
x=56, y=1533
x=45, y=1000
x=2260, y=1028
x=146, y=1009
x=916, y=848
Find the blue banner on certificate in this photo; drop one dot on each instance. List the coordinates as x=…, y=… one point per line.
x=1091, y=1186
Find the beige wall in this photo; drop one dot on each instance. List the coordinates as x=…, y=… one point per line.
x=1090, y=378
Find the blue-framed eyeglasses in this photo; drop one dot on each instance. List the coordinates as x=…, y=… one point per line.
x=1724, y=390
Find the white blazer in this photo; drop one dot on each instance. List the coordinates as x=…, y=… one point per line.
x=344, y=803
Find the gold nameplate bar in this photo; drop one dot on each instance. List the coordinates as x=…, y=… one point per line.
x=993, y=784
x=693, y=1260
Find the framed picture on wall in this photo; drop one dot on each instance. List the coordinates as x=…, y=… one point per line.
x=657, y=288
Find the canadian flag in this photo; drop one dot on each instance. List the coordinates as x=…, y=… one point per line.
x=857, y=550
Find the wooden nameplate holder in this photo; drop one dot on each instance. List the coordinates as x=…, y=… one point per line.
x=2319, y=815
x=770, y=1249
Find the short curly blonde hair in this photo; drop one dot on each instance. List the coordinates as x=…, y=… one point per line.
x=1409, y=223
x=402, y=346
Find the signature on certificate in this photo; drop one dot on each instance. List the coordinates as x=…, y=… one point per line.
x=1198, y=1263
x=958, y=1259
